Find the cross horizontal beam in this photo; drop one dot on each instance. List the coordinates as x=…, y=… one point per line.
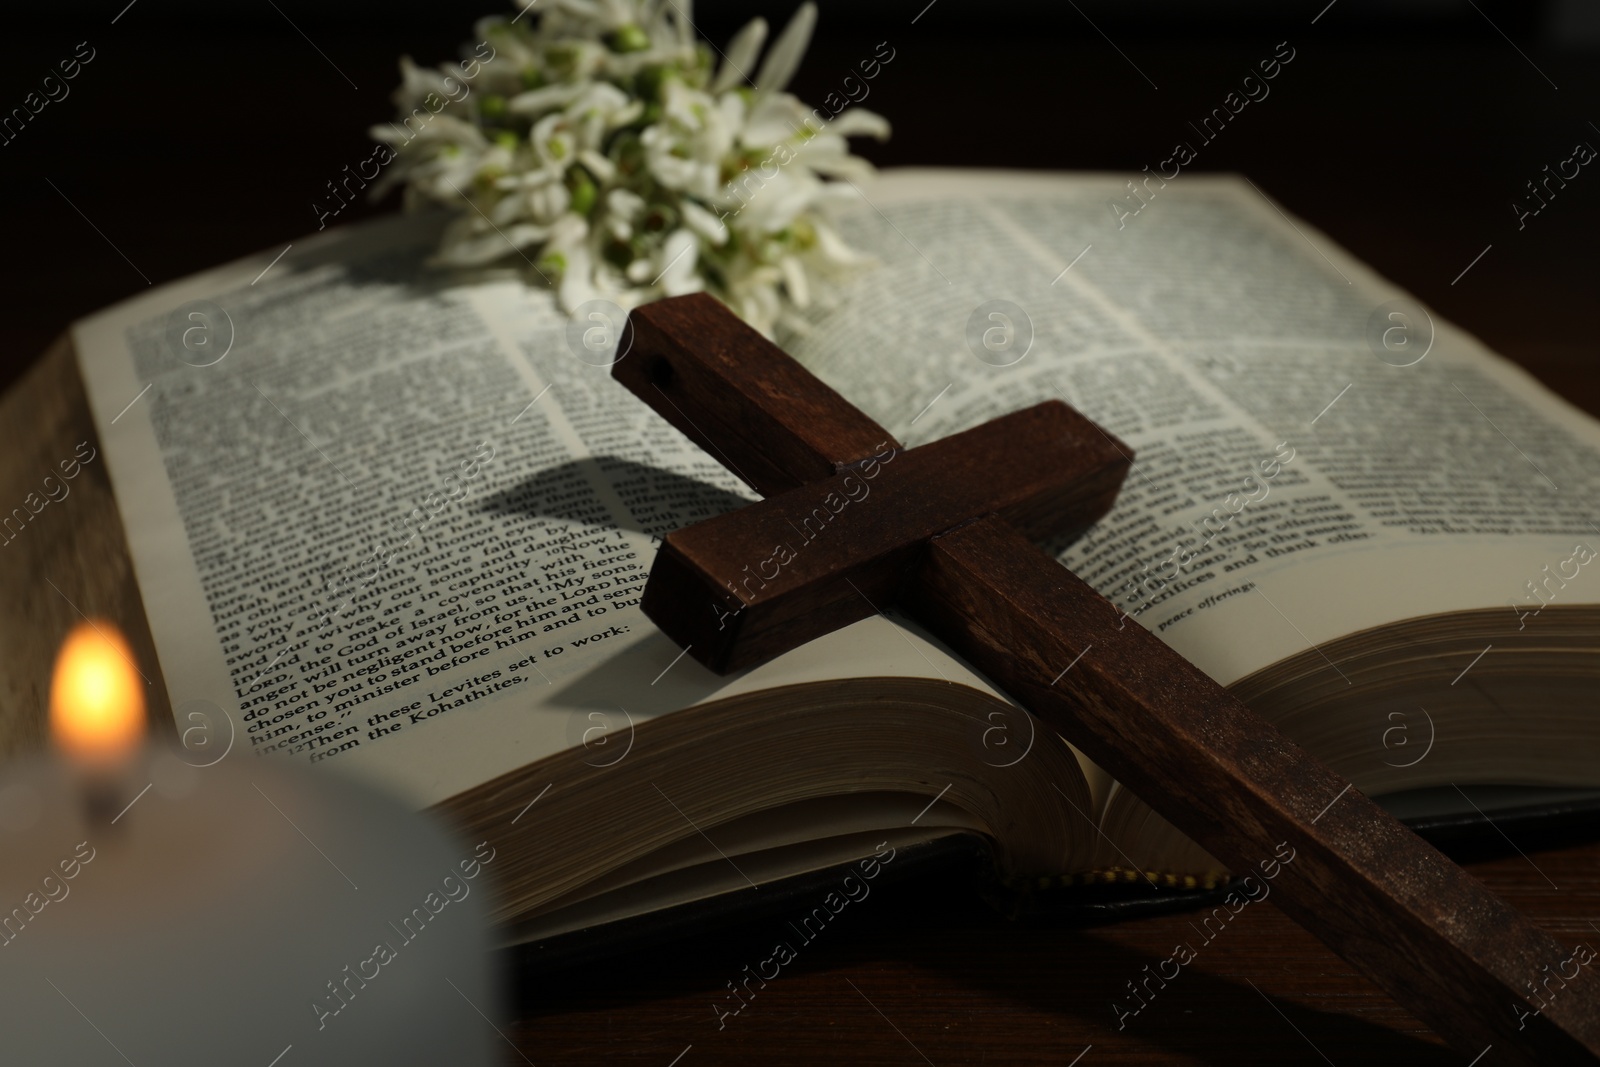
x=800, y=564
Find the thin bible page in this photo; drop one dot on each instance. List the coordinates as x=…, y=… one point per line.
x=1290, y=486
x=402, y=527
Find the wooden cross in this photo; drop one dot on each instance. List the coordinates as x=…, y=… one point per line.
x=852, y=523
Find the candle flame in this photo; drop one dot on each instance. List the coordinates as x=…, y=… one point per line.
x=96, y=702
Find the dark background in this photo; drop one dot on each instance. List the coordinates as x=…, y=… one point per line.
x=201, y=133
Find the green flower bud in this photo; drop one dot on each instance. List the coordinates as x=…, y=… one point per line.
x=492, y=106
x=583, y=190
x=562, y=59
x=629, y=38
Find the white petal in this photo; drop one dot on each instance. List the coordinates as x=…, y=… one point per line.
x=568, y=236
x=598, y=165
x=685, y=21
x=758, y=305
x=678, y=261
x=548, y=201
x=552, y=142
x=582, y=8
x=778, y=117
x=833, y=248
x=741, y=55
x=577, y=282
x=527, y=179
x=731, y=111
x=795, y=325
x=784, y=58
x=832, y=157
x=538, y=101
x=625, y=203
x=460, y=249
x=794, y=279
x=858, y=121
x=773, y=206
x=568, y=231
x=601, y=96
x=626, y=115
x=441, y=130
x=507, y=209
x=415, y=85
x=704, y=223
x=388, y=133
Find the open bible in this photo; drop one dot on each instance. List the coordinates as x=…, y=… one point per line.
x=397, y=522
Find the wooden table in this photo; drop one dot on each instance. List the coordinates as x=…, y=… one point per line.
x=1405, y=146
x=928, y=975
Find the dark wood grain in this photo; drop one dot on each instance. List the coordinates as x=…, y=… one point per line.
x=696, y=368
x=926, y=973
x=749, y=585
x=1389, y=903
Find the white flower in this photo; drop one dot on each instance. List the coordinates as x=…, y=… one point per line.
x=599, y=141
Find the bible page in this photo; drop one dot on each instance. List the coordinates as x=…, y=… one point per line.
x=400, y=524
x=1316, y=453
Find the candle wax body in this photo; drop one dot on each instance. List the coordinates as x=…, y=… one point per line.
x=232, y=914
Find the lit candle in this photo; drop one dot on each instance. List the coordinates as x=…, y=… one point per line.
x=157, y=912
x=96, y=705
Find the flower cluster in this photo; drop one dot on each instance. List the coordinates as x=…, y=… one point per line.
x=601, y=142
